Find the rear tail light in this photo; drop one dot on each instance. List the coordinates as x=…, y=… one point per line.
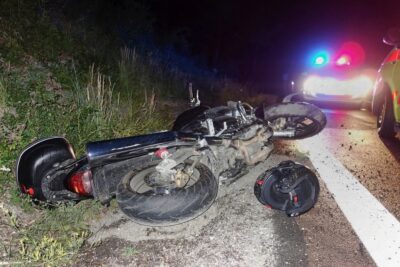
x=393, y=56
x=81, y=183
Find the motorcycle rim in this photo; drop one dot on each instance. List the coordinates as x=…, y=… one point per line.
x=155, y=204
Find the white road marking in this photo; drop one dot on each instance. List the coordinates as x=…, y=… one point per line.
x=376, y=227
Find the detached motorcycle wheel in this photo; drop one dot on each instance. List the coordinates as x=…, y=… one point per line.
x=160, y=206
x=295, y=120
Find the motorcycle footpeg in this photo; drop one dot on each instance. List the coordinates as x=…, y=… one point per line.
x=289, y=187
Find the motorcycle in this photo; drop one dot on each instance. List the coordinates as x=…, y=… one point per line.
x=170, y=177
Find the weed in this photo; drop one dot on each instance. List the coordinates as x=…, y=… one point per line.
x=58, y=234
x=130, y=251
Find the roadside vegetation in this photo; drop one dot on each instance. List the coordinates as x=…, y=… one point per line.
x=58, y=78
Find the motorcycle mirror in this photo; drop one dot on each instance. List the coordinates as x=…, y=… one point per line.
x=392, y=37
x=193, y=101
x=197, y=98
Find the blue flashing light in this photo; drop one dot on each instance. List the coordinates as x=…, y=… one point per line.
x=320, y=59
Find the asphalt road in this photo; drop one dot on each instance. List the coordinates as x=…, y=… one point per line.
x=352, y=137
x=362, y=173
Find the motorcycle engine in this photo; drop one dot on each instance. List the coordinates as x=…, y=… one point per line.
x=250, y=147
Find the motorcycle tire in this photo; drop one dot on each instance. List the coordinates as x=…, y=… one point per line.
x=269, y=188
x=306, y=119
x=177, y=206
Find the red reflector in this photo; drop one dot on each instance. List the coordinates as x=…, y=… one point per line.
x=260, y=182
x=81, y=183
x=162, y=153
x=30, y=191
x=23, y=188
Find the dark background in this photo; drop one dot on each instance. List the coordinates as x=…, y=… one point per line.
x=257, y=40
x=251, y=41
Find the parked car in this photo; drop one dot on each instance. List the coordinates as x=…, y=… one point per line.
x=386, y=97
x=339, y=77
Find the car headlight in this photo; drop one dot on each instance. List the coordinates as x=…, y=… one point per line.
x=360, y=86
x=356, y=87
x=311, y=85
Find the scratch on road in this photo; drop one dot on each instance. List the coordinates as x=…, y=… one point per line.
x=376, y=227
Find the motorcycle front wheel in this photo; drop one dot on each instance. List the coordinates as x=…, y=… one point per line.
x=294, y=120
x=149, y=203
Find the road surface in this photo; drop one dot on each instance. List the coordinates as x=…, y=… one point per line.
x=362, y=173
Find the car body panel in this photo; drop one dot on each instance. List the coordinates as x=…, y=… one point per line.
x=388, y=79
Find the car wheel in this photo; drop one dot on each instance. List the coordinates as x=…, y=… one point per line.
x=385, y=119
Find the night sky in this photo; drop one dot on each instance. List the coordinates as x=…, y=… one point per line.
x=261, y=40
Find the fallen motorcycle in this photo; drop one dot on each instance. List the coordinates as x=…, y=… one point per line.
x=170, y=177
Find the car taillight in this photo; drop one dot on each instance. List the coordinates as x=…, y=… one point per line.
x=81, y=183
x=393, y=56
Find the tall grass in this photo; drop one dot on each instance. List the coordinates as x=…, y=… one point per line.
x=138, y=73
x=99, y=93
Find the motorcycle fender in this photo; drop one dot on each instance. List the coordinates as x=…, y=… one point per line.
x=37, y=159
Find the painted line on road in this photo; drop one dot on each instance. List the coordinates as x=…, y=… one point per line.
x=376, y=227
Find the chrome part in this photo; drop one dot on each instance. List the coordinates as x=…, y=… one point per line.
x=289, y=133
x=210, y=127
x=181, y=178
x=223, y=129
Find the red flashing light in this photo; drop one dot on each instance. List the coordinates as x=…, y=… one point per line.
x=81, y=183
x=343, y=60
x=350, y=52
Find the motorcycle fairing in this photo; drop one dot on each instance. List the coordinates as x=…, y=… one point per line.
x=38, y=158
x=101, y=153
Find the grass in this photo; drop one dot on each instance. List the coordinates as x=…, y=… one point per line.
x=58, y=234
x=95, y=113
